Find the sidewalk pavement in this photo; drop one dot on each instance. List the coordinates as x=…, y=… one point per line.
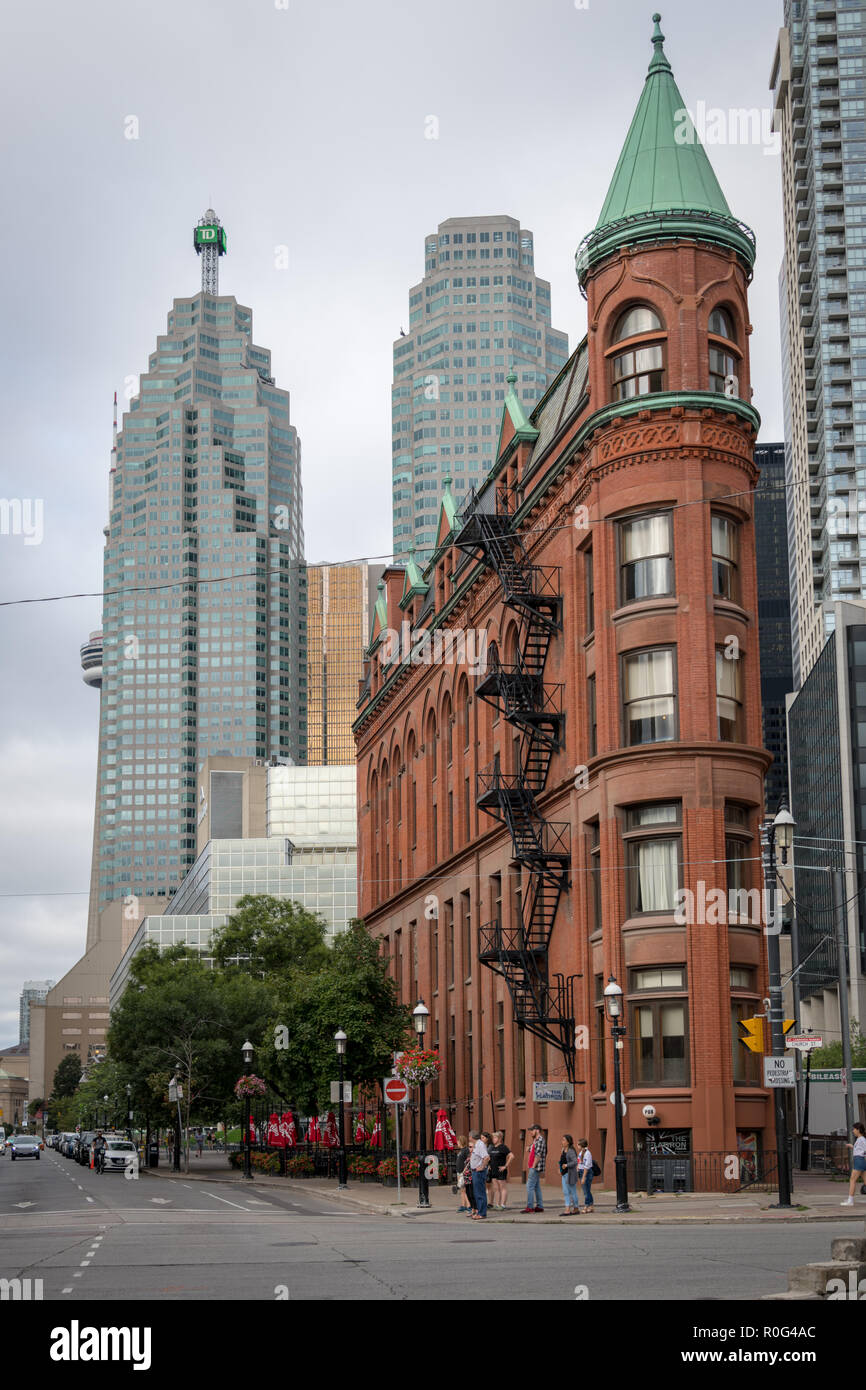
x=815, y=1198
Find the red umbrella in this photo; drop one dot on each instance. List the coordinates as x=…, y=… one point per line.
x=361, y=1130
x=252, y=1131
x=314, y=1134
x=376, y=1136
x=445, y=1137
x=275, y=1134
x=287, y=1129
x=331, y=1138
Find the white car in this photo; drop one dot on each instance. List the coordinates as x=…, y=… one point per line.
x=119, y=1153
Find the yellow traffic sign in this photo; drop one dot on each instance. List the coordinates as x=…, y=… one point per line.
x=787, y=1025
x=754, y=1039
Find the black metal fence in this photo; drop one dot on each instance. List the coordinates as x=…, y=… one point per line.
x=705, y=1172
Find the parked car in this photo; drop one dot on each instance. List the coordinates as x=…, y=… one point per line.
x=82, y=1152
x=24, y=1146
x=63, y=1142
x=118, y=1151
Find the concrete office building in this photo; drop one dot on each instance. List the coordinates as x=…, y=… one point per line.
x=819, y=79
x=202, y=643
x=33, y=992
x=827, y=742
x=479, y=311
x=339, y=602
x=289, y=832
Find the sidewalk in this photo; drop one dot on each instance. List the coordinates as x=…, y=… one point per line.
x=817, y=1195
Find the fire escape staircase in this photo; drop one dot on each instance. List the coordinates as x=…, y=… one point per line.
x=543, y=1005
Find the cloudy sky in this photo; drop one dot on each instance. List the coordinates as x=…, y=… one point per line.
x=305, y=123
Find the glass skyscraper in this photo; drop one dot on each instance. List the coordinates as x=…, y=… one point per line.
x=819, y=80
x=203, y=647
x=774, y=615
x=479, y=311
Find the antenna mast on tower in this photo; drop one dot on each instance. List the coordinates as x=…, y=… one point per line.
x=209, y=239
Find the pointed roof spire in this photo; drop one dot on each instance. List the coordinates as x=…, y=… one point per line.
x=664, y=184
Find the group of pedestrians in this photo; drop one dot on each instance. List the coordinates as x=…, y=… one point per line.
x=486, y=1159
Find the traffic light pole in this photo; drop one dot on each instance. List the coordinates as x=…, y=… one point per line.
x=777, y=1034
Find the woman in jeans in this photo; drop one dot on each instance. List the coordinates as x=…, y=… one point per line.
x=467, y=1196
x=584, y=1167
x=568, y=1167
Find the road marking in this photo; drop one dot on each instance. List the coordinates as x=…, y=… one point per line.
x=69, y=1290
x=78, y=1274
x=90, y=1199
x=163, y=1201
x=84, y=1264
x=24, y=1204
x=226, y=1200
x=257, y=1202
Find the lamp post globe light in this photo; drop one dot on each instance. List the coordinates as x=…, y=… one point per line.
x=777, y=833
x=340, y=1042
x=613, y=1008
x=420, y=1015
x=247, y=1054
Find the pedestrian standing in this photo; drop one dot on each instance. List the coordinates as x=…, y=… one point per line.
x=536, y=1160
x=479, y=1162
x=199, y=1143
x=501, y=1159
x=586, y=1167
x=569, y=1171
x=464, y=1183
x=858, y=1162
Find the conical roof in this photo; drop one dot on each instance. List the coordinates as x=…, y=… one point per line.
x=664, y=184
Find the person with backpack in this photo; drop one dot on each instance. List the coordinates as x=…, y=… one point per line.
x=464, y=1178
x=569, y=1170
x=587, y=1169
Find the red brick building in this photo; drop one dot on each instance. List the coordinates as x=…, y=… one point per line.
x=572, y=801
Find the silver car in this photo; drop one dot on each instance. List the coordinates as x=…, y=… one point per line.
x=24, y=1146
x=119, y=1153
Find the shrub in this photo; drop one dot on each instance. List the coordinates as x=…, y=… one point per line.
x=302, y=1163
x=408, y=1168
x=362, y=1165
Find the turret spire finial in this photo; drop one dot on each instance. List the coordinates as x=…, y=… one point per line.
x=659, y=60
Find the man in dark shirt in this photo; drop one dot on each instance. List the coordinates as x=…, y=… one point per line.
x=536, y=1159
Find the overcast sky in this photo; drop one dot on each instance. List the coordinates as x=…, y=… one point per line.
x=305, y=124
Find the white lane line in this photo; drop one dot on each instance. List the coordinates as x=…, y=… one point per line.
x=90, y=1199
x=84, y=1264
x=227, y=1202
x=78, y=1274
x=69, y=1290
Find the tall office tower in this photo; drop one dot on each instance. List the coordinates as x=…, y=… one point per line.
x=34, y=991
x=203, y=641
x=479, y=311
x=819, y=75
x=774, y=615
x=340, y=602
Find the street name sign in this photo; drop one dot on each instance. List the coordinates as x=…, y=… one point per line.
x=552, y=1090
x=779, y=1072
x=804, y=1042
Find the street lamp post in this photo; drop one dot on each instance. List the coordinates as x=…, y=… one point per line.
x=247, y=1054
x=105, y=1112
x=340, y=1040
x=128, y=1111
x=178, y=1128
x=778, y=832
x=613, y=1003
x=420, y=1014
x=804, y=1138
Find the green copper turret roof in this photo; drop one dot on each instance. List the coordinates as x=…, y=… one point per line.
x=414, y=581
x=664, y=185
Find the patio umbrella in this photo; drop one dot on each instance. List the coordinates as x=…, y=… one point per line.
x=331, y=1138
x=252, y=1131
x=445, y=1138
x=275, y=1134
x=314, y=1133
x=376, y=1136
x=361, y=1130
x=287, y=1129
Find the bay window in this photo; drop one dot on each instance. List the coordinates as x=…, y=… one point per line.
x=649, y=698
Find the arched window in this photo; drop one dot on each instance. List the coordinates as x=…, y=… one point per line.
x=641, y=369
x=724, y=364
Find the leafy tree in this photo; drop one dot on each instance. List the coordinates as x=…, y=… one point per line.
x=831, y=1055
x=67, y=1076
x=269, y=936
x=352, y=991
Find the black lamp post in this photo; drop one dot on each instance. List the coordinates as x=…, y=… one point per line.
x=340, y=1040
x=128, y=1111
x=247, y=1054
x=420, y=1015
x=105, y=1112
x=778, y=832
x=613, y=1004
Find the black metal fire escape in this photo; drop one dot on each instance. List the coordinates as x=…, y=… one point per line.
x=543, y=1005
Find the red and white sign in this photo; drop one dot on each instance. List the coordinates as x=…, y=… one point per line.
x=396, y=1091
x=804, y=1042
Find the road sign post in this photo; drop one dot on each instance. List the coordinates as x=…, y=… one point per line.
x=396, y=1093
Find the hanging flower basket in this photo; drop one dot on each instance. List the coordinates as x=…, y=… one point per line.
x=251, y=1086
x=419, y=1066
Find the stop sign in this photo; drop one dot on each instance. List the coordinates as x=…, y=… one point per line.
x=396, y=1091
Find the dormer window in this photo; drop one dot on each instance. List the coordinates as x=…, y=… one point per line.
x=724, y=360
x=640, y=369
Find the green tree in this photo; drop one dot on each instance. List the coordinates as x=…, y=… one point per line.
x=67, y=1076
x=352, y=991
x=269, y=936
x=831, y=1055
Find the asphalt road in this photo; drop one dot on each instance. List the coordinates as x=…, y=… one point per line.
x=91, y=1238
